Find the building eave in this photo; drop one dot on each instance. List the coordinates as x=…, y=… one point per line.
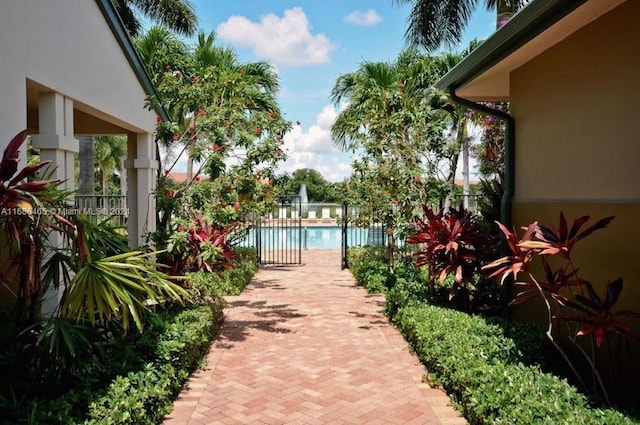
x=120, y=33
x=532, y=21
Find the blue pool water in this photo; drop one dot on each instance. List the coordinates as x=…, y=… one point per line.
x=314, y=237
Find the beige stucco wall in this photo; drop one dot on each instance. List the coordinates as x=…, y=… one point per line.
x=66, y=46
x=13, y=102
x=578, y=147
x=576, y=110
x=578, y=138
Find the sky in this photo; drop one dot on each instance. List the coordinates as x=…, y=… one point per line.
x=310, y=43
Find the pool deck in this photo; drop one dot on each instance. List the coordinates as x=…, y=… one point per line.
x=306, y=345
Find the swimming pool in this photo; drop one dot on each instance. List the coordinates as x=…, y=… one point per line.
x=315, y=237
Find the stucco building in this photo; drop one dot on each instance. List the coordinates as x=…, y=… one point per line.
x=569, y=70
x=68, y=68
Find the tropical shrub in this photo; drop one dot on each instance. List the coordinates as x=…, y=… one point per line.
x=456, y=243
x=101, y=279
x=369, y=270
x=146, y=395
x=126, y=378
x=571, y=302
x=229, y=282
x=25, y=201
x=202, y=246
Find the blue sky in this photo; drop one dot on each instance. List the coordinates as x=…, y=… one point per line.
x=311, y=43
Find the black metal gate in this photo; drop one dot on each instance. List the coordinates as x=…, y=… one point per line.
x=278, y=236
x=361, y=226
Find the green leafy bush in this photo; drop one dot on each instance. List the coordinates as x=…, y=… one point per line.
x=228, y=282
x=130, y=378
x=491, y=377
x=145, y=396
x=410, y=285
x=369, y=270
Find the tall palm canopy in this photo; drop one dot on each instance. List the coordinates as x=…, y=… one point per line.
x=178, y=15
x=434, y=23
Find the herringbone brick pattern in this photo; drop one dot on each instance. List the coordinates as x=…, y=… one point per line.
x=305, y=345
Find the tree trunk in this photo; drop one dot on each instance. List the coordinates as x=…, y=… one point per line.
x=465, y=172
x=123, y=176
x=105, y=183
x=87, y=159
x=189, y=166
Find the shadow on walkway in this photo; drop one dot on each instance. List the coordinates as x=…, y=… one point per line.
x=305, y=345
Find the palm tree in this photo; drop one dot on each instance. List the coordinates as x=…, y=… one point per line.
x=108, y=151
x=236, y=91
x=433, y=23
x=177, y=15
x=386, y=112
x=387, y=120
x=460, y=119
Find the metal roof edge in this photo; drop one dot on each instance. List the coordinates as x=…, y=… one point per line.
x=531, y=21
x=117, y=27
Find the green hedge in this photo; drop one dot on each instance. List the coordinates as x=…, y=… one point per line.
x=228, y=282
x=492, y=368
x=145, y=396
x=488, y=376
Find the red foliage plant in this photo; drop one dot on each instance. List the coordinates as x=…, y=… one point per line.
x=209, y=247
x=452, y=243
x=562, y=289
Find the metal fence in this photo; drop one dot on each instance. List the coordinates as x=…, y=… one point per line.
x=102, y=207
x=278, y=237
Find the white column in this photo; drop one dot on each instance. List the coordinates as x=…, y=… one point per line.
x=55, y=138
x=141, y=183
x=57, y=144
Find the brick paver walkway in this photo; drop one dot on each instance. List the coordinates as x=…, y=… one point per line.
x=305, y=345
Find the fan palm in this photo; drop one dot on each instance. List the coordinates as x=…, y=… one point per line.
x=433, y=23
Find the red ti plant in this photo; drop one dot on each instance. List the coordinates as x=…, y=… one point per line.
x=204, y=246
x=23, y=198
x=452, y=243
x=562, y=289
x=210, y=249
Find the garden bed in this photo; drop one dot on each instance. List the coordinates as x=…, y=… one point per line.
x=135, y=378
x=492, y=369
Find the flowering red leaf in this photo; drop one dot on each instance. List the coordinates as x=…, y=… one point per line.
x=11, y=157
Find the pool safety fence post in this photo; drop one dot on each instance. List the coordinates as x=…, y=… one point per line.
x=345, y=244
x=306, y=239
x=258, y=237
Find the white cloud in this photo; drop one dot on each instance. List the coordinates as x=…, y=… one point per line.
x=368, y=18
x=285, y=40
x=317, y=139
x=313, y=148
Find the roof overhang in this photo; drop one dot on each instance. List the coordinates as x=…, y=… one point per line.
x=120, y=33
x=484, y=74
